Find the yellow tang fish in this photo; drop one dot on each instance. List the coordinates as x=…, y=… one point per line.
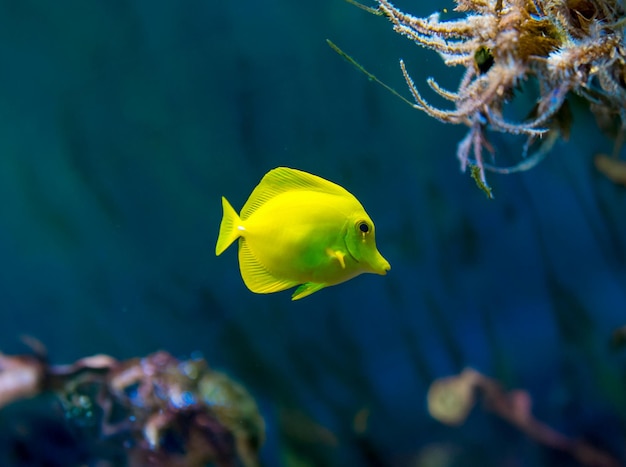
x=297, y=228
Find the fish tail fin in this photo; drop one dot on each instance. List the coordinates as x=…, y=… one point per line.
x=228, y=228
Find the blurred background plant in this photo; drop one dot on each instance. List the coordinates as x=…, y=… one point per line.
x=450, y=400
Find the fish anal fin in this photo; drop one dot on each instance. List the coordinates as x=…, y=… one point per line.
x=307, y=289
x=256, y=277
x=284, y=179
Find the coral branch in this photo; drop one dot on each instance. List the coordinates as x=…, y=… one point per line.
x=145, y=403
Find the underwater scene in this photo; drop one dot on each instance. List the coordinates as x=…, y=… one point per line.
x=313, y=233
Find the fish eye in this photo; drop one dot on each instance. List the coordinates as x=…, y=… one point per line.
x=363, y=227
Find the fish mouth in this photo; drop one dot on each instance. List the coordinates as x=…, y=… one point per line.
x=385, y=266
x=376, y=265
x=382, y=265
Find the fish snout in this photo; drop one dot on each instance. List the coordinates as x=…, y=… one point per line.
x=382, y=266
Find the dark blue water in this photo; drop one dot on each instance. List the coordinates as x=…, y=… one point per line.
x=122, y=123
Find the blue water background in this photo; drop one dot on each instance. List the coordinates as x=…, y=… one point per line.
x=122, y=123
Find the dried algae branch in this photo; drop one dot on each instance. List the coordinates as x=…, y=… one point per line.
x=566, y=46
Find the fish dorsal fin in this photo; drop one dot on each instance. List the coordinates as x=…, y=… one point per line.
x=283, y=179
x=256, y=277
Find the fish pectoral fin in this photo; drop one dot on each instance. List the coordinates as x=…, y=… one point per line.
x=256, y=277
x=339, y=255
x=307, y=289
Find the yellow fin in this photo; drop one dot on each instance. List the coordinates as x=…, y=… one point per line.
x=284, y=179
x=256, y=277
x=339, y=255
x=228, y=228
x=307, y=289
